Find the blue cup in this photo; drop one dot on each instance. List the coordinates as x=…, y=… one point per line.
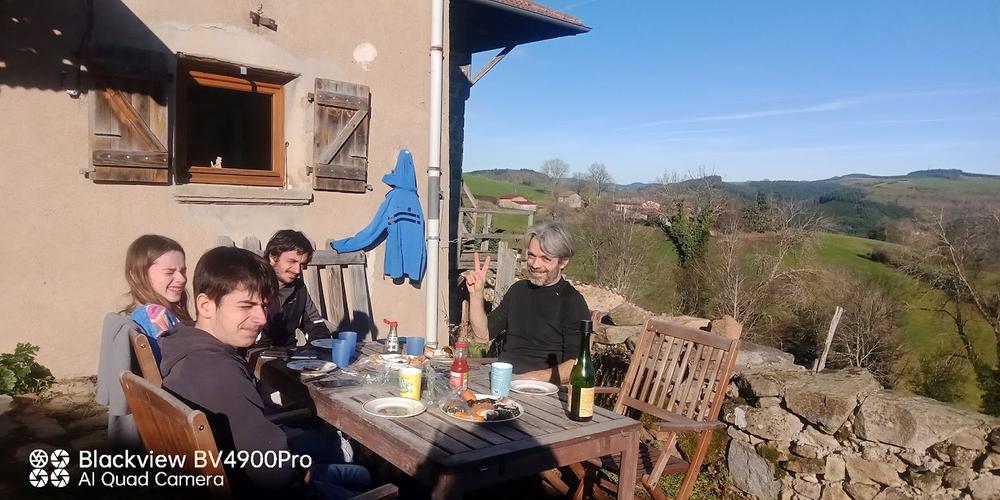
x=500, y=374
x=351, y=338
x=414, y=346
x=341, y=353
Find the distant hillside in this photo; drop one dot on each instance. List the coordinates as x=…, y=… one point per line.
x=521, y=176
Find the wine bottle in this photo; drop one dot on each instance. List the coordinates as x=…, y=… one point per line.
x=581, y=379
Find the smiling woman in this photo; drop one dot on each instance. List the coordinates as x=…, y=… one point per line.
x=156, y=273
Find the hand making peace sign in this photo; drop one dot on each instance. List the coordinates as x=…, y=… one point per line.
x=475, y=279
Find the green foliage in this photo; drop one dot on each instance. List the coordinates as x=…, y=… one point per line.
x=757, y=216
x=19, y=373
x=689, y=232
x=941, y=378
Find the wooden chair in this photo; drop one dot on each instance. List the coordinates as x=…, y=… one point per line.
x=338, y=285
x=144, y=355
x=168, y=426
x=677, y=375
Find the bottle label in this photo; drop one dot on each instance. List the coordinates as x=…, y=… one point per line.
x=584, y=407
x=459, y=380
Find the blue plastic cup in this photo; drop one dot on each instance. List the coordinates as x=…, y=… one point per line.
x=414, y=346
x=351, y=338
x=341, y=353
x=500, y=374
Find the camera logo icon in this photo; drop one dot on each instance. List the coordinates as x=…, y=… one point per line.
x=40, y=460
x=38, y=478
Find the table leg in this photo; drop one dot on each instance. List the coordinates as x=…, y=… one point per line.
x=447, y=488
x=629, y=466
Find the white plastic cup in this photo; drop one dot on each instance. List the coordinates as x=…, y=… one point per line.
x=500, y=374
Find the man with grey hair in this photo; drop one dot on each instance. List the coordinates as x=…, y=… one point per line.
x=540, y=316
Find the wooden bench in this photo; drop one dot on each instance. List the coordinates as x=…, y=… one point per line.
x=337, y=284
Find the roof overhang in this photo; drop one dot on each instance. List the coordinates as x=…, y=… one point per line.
x=495, y=24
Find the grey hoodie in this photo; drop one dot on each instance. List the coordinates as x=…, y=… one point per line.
x=212, y=376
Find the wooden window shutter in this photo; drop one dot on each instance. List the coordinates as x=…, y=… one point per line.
x=128, y=116
x=340, y=131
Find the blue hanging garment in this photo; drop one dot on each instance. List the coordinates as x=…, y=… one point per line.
x=401, y=216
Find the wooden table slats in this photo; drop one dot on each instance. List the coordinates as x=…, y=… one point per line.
x=451, y=455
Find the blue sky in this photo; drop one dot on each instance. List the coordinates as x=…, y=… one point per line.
x=749, y=90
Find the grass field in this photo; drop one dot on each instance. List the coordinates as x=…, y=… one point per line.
x=490, y=190
x=927, y=333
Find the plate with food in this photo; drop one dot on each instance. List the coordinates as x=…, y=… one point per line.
x=311, y=366
x=393, y=407
x=473, y=407
x=395, y=361
x=391, y=361
x=533, y=387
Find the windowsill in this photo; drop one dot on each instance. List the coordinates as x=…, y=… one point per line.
x=205, y=194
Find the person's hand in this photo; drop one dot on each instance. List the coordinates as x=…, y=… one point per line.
x=475, y=279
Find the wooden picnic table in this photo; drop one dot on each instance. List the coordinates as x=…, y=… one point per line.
x=452, y=456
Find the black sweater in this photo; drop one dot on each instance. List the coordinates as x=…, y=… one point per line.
x=212, y=377
x=541, y=323
x=292, y=308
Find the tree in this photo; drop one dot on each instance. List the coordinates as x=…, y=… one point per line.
x=556, y=169
x=579, y=182
x=599, y=178
x=614, y=248
x=957, y=258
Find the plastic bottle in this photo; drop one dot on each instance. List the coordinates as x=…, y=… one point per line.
x=392, y=341
x=460, y=367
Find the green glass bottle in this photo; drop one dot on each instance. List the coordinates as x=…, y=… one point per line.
x=581, y=379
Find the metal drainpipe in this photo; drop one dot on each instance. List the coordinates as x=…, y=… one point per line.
x=434, y=173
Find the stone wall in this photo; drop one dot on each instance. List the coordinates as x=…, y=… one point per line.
x=837, y=434
x=840, y=435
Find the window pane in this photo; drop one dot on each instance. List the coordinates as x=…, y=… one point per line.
x=230, y=124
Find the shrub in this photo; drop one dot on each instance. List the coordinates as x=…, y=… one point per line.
x=941, y=377
x=879, y=255
x=20, y=373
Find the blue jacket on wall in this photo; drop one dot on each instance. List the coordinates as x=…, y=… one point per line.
x=400, y=215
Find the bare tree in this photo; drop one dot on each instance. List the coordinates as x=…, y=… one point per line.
x=613, y=247
x=956, y=256
x=556, y=169
x=599, y=178
x=867, y=336
x=579, y=182
x=748, y=276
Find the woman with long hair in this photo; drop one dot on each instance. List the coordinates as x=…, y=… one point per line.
x=156, y=274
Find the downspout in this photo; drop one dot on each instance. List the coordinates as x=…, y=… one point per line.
x=434, y=173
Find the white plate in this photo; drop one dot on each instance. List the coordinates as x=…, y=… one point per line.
x=322, y=343
x=311, y=365
x=520, y=411
x=393, y=407
x=533, y=387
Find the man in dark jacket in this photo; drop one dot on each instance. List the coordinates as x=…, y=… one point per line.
x=289, y=253
x=202, y=365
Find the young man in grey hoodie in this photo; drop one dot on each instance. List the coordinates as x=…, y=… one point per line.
x=202, y=365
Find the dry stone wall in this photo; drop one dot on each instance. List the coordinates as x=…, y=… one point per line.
x=839, y=435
